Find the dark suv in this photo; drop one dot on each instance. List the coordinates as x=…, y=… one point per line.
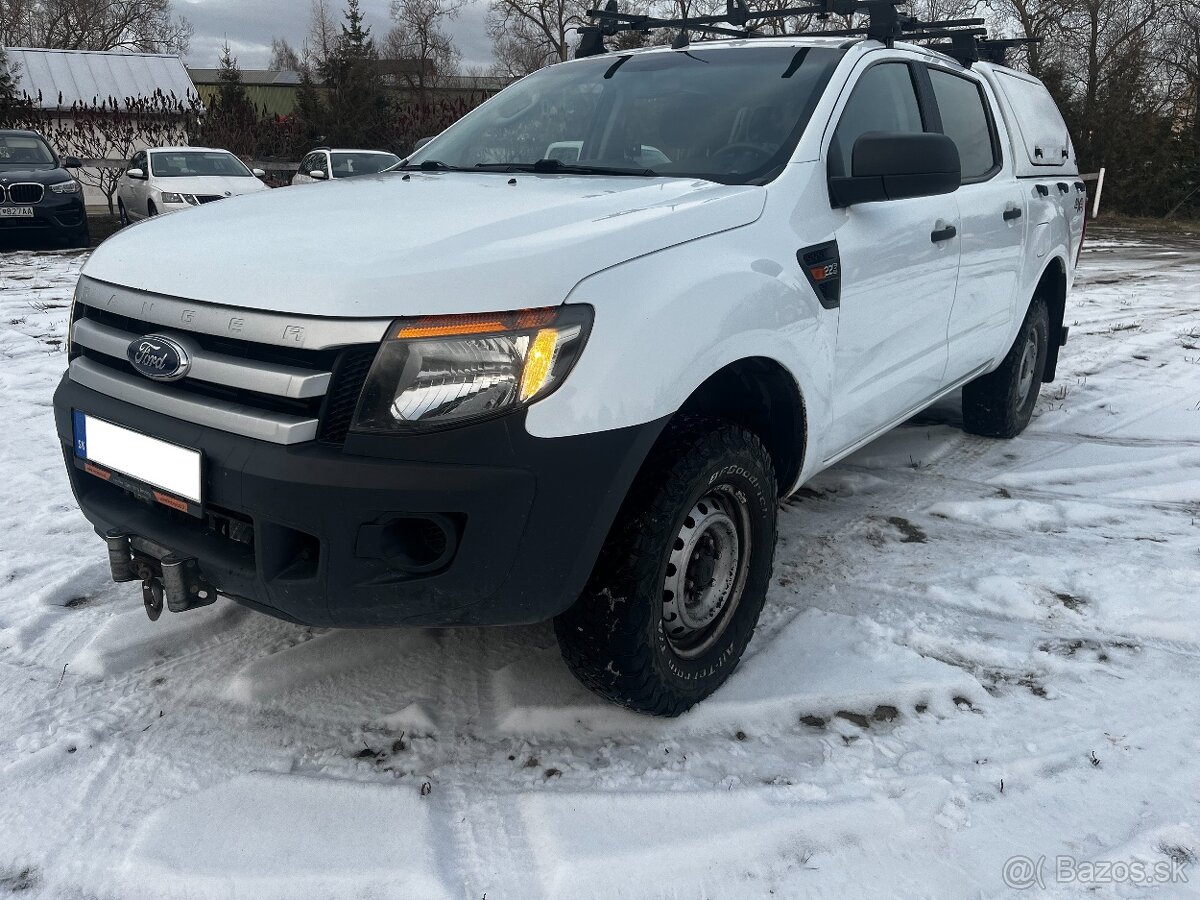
x=38, y=196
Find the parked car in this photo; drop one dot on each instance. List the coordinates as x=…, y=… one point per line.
x=575, y=391
x=325, y=164
x=38, y=196
x=568, y=152
x=168, y=179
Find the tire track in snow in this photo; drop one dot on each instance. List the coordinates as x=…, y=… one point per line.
x=491, y=854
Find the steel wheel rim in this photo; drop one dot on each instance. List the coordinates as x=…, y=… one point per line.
x=1028, y=367
x=705, y=572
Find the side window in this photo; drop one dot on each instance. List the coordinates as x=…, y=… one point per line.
x=138, y=161
x=306, y=164
x=965, y=121
x=885, y=99
x=322, y=163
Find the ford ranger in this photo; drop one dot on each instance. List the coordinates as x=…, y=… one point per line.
x=565, y=361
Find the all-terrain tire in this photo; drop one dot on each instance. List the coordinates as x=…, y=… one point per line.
x=1000, y=404
x=622, y=638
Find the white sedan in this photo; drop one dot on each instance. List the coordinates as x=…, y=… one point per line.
x=168, y=179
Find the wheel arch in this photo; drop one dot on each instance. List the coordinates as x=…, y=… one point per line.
x=760, y=394
x=1052, y=288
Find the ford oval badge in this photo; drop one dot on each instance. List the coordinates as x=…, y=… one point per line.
x=159, y=358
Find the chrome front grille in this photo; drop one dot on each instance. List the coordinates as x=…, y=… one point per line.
x=24, y=194
x=267, y=376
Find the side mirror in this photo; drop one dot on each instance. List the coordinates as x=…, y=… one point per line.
x=421, y=142
x=135, y=173
x=317, y=174
x=259, y=173
x=895, y=166
x=72, y=162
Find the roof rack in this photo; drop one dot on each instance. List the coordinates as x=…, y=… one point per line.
x=980, y=49
x=964, y=39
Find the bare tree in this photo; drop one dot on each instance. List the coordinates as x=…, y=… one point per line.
x=323, y=33
x=284, y=56
x=149, y=26
x=528, y=34
x=1181, y=55
x=419, y=35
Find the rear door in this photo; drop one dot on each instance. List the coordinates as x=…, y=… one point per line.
x=992, y=211
x=899, y=266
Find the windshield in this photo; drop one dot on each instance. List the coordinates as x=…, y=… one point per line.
x=726, y=114
x=347, y=165
x=192, y=163
x=24, y=150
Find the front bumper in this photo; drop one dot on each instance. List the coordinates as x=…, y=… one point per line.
x=56, y=214
x=332, y=527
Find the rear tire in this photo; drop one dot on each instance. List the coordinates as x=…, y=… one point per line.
x=1000, y=404
x=679, y=585
x=123, y=213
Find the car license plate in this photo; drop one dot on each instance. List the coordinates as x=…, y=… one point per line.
x=151, y=469
x=16, y=212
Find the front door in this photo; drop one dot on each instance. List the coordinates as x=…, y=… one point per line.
x=899, y=269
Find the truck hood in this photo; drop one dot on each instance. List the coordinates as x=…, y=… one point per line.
x=386, y=245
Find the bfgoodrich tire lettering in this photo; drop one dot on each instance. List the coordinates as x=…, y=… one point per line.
x=708, y=492
x=1000, y=404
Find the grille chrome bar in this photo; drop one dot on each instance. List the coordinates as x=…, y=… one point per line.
x=215, y=368
x=276, y=329
x=276, y=428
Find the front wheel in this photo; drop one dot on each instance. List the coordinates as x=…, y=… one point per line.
x=676, y=594
x=1000, y=404
x=123, y=213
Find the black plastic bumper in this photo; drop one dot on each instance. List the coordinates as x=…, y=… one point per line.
x=63, y=216
x=349, y=536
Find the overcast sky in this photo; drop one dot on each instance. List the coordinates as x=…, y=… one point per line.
x=249, y=25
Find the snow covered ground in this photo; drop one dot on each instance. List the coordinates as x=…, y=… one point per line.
x=974, y=652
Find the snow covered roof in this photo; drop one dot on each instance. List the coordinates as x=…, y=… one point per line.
x=285, y=77
x=84, y=75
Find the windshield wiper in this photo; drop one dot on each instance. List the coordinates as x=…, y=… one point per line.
x=557, y=166
x=429, y=165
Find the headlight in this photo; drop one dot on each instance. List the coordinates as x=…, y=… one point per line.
x=446, y=370
x=65, y=187
x=189, y=199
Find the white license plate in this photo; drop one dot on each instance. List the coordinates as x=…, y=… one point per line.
x=168, y=467
x=16, y=212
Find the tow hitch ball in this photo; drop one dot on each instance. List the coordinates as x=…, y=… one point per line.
x=174, y=579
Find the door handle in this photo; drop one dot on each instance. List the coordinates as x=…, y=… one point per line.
x=1012, y=213
x=943, y=234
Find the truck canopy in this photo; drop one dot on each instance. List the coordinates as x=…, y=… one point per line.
x=1042, y=143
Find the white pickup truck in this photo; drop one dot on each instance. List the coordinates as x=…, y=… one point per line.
x=493, y=387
